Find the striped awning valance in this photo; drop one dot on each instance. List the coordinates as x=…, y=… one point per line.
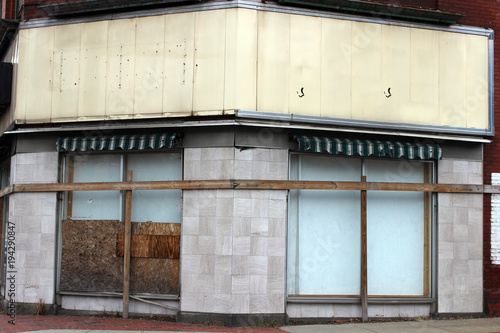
x=366, y=148
x=125, y=142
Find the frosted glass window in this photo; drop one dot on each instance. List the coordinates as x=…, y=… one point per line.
x=96, y=205
x=324, y=229
x=156, y=205
x=395, y=230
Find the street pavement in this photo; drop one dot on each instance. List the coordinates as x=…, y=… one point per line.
x=80, y=324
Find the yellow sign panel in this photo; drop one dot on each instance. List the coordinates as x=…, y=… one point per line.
x=208, y=62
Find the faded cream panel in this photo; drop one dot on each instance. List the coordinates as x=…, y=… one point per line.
x=120, y=68
x=178, y=64
x=66, y=71
x=39, y=79
x=212, y=61
x=209, y=58
x=150, y=54
x=273, y=72
x=93, y=60
x=367, y=95
x=452, y=79
x=424, y=83
x=396, y=69
x=476, y=99
x=305, y=65
x=241, y=60
x=336, y=59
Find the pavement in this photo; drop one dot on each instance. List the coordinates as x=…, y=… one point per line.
x=80, y=324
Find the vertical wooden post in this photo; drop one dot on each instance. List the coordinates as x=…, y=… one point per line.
x=71, y=176
x=426, y=230
x=127, y=246
x=364, y=264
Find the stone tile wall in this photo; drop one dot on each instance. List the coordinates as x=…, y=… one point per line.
x=234, y=241
x=460, y=242
x=34, y=216
x=114, y=305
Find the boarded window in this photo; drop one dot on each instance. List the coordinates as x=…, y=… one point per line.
x=92, y=232
x=324, y=250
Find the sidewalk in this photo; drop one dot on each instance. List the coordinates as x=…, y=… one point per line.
x=76, y=324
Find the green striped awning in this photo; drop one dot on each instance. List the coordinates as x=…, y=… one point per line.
x=367, y=148
x=115, y=142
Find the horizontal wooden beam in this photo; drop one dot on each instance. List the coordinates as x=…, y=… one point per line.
x=356, y=186
x=247, y=185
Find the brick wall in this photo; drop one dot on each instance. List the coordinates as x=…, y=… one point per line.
x=483, y=13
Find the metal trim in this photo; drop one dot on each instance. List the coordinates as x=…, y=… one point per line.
x=357, y=300
x=292, y=121
x=36, y=23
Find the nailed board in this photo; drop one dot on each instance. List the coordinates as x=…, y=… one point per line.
x=90, y=263
x=151, y=246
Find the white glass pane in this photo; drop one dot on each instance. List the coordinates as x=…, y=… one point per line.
x=96, y=205
x=395, y=230
x=156, y=205
x=324, y=229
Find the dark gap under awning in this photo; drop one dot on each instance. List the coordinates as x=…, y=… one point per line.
x=115, y=142
x=365, y=148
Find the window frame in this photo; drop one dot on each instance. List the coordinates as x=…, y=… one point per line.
x=429, y=246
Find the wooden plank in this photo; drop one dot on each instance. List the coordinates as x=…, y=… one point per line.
x=6, y=191
x=71, y=174
x=88, y=261
x=364, y=254
x=127, y=246
x=250, y=185
x=124, y=186
x=426, y=231
x=369, y=186
x=151, y=246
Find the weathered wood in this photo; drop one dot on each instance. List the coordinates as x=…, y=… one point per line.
x=127, y=247
x=89, y=261
x=360, y=186
x=6, y=191
x=71, y=176
x=426, y=232
x=124, y=186
x=250, y=185
x=364, y=254
x=151, y=246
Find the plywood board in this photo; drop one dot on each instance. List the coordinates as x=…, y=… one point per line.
x=151, y=246
x=152, y=240
x=89, y=260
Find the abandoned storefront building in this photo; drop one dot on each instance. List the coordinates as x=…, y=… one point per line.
x=244, y=160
